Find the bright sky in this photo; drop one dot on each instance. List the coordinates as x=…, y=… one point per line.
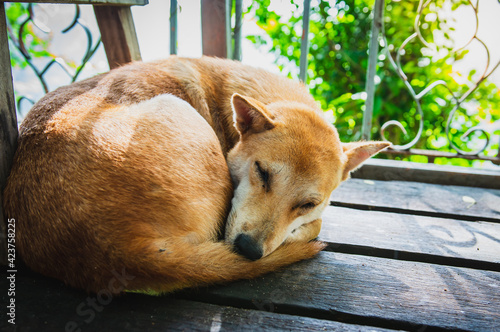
x=488, y=32
x=152, y=26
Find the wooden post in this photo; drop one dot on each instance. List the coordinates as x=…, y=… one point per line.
x=213, y=28
x=173, y=26
x=118, y=34
x=8, y=125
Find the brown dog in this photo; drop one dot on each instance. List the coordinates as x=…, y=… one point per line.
x=120, y=175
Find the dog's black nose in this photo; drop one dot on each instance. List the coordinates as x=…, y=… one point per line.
x=247, y=247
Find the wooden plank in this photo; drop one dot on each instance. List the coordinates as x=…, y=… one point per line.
x=70, y=310
x=379, y=169
x=396, y=233
x=91, y=2
x=213, y=28
x=384, y=292
x=8, y=125
x=433, y=154
x=118, y=34
x=465, y=203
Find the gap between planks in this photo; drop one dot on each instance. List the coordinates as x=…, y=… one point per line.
x=371, y=292
x=434, y=214
x=370, y=323
x=360, y=250
x=132, y=311
x=464, y=203
x=423, y=239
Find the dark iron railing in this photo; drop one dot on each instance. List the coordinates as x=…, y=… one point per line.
x=378, y=38
x=457, y=99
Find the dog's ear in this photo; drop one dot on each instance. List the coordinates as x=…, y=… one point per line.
x=250, y=116
x=357, y=152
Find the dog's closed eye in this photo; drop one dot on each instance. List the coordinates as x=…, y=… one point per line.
x=305, y=206
x=308, y=206
x=264, y=177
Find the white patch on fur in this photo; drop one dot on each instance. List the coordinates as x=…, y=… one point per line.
x=113, y=131
x=160, y=102
x=240, y=194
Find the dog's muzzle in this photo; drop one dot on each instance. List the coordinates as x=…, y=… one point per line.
x=247, y=247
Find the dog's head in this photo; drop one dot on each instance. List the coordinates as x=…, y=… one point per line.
x=284, y=168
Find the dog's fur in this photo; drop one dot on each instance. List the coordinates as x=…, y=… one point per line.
x=120, y=174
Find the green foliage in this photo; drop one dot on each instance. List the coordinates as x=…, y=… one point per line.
x=338, y=58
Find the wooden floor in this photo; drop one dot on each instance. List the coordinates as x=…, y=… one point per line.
x=401, y=255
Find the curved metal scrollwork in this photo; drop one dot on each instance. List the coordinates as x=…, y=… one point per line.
x=457, y=100
x=18, y=40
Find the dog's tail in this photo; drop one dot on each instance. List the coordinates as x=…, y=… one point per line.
x=188, y=265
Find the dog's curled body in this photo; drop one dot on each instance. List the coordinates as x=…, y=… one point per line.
x=126, y=172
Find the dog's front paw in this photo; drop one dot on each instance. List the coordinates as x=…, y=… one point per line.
x=306, y=232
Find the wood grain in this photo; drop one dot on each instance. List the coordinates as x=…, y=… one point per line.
x=118, y=34
x=391, y=293
x=8, y=125
x=421, y=198
x=478, y=241
x=393, y=170
x=64, y=308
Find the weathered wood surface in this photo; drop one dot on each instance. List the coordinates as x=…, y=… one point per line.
x=118, y=34
x=383, y=292
x=380, y=169
x=8, y=124
x=420, y=198
x=433, y=154
x=402, y=255
x=213, y=28
x=91, y=2
x=47, y=305
x=331, y=291
x=396, y=233
x=334, y=290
